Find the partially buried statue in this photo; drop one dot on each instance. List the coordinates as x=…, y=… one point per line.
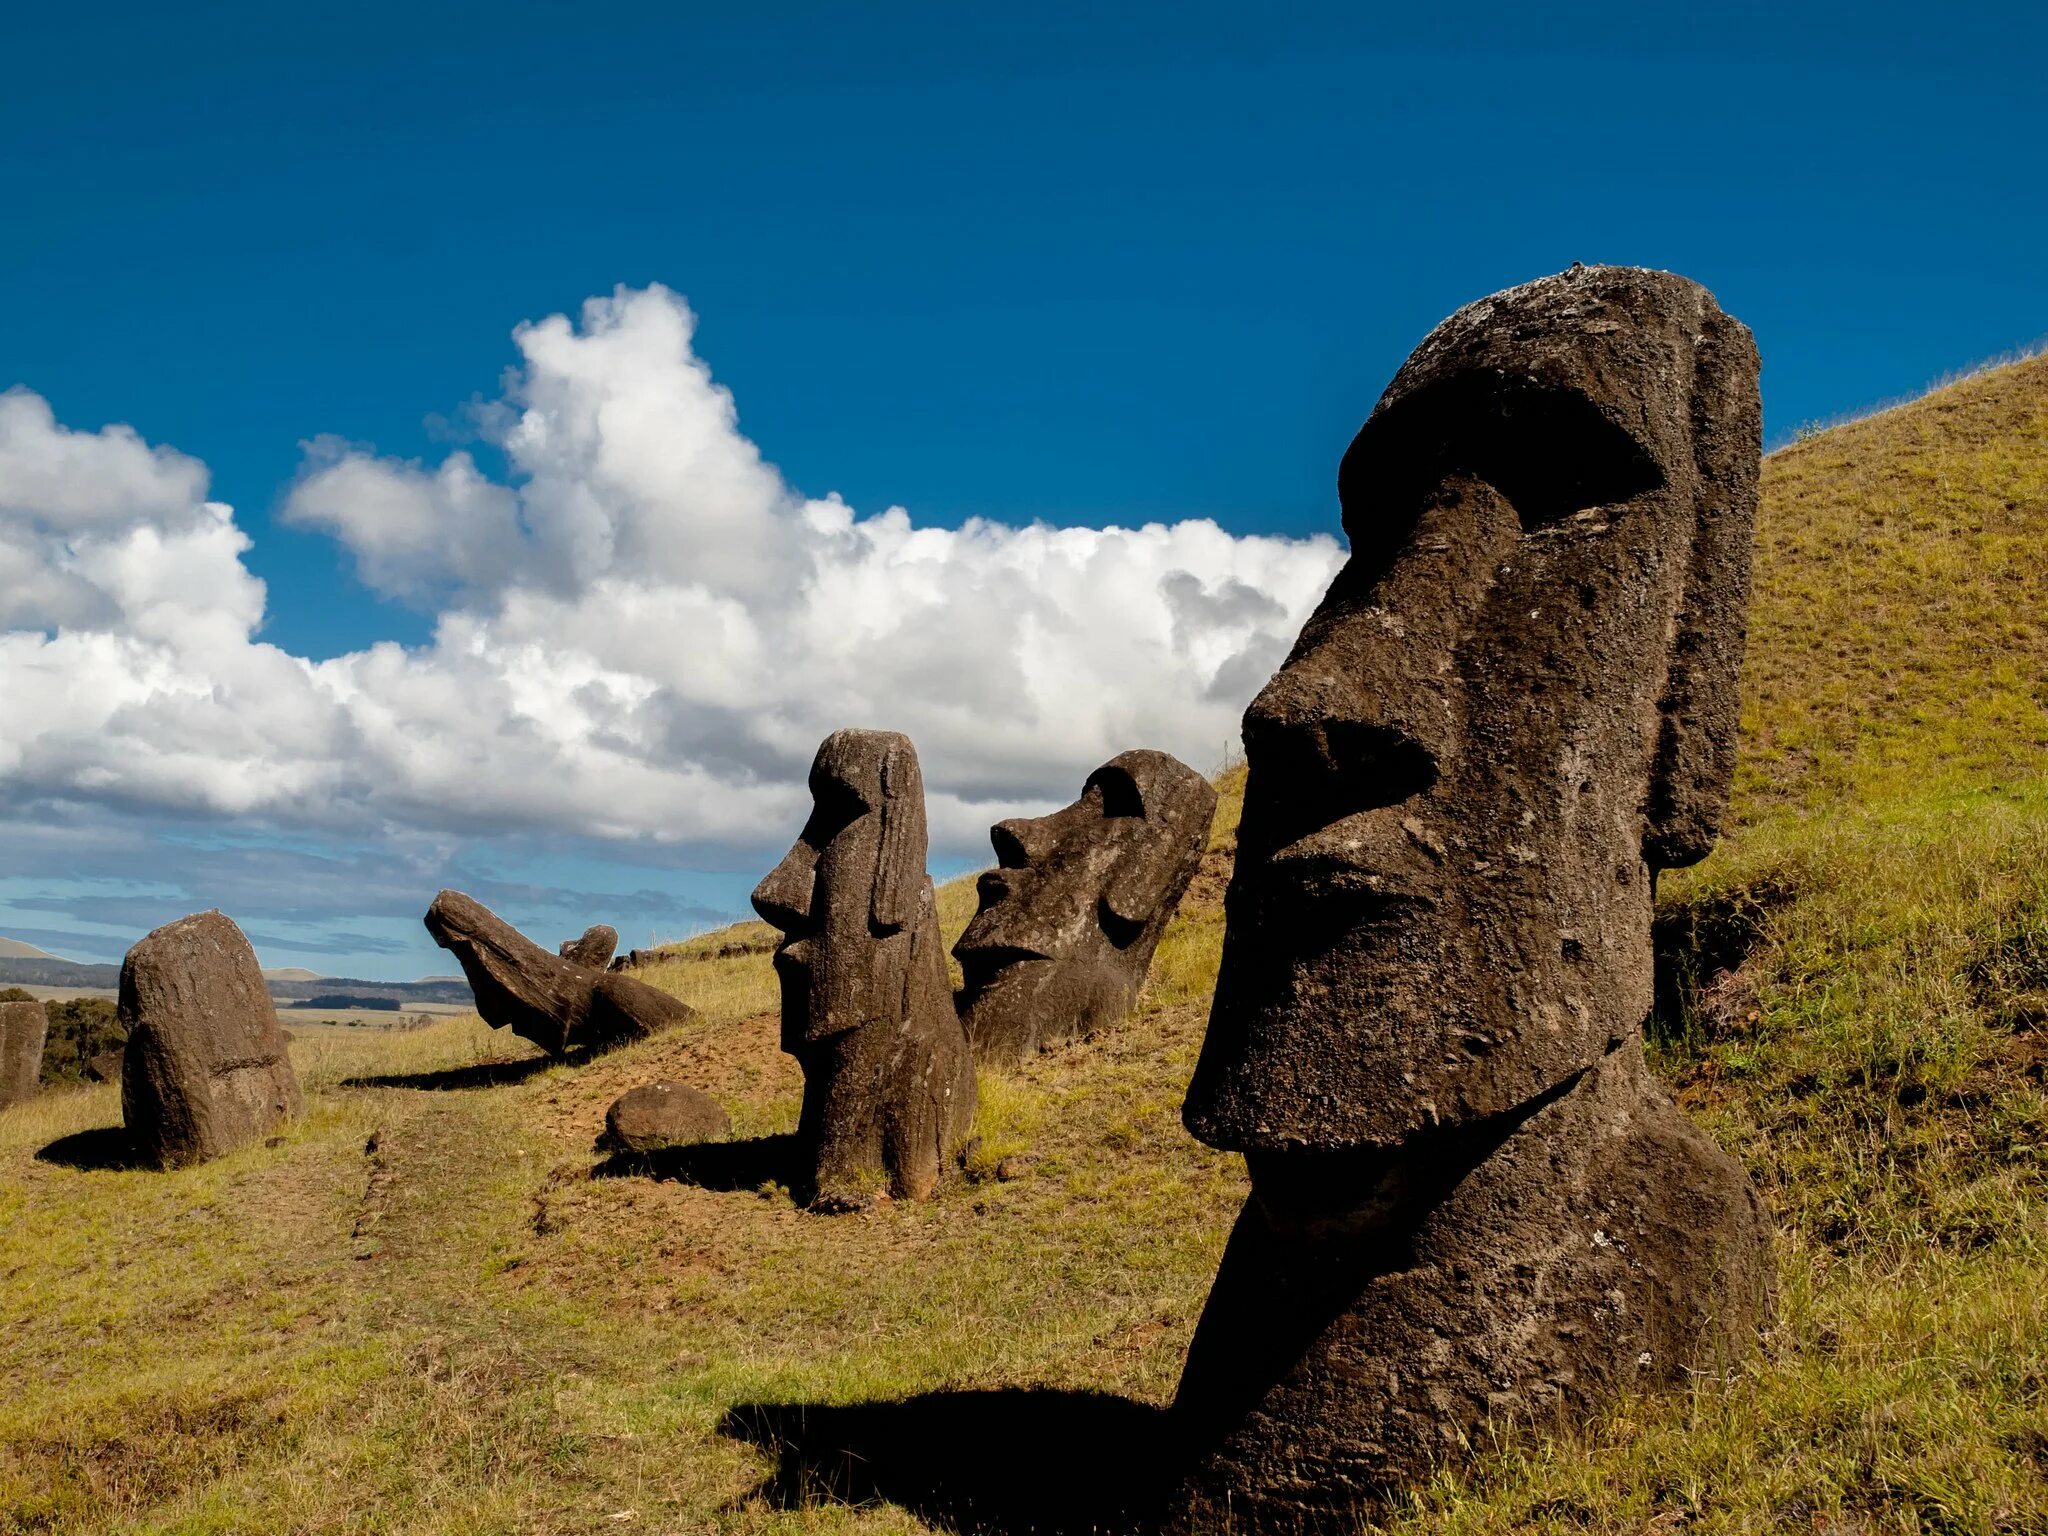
x=866, y=1004
x=1517, y=703
x=560, y=1004
x=1072, y=914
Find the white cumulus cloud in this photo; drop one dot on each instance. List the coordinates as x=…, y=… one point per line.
x=642, y=632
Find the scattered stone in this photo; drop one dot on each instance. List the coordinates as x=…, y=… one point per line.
x=1014, y=1167
x=205, y=1068
x=558, y=1005
x=657, y=1115
x=1071, y=916
x=106, y=1067
x=866, y=1006
x=23, y=1027
x=1515, y=705
x=594, y=949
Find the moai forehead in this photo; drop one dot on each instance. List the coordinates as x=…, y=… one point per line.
x=1515, y=703
x=1072, y=914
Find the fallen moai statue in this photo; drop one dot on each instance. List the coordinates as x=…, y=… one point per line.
x=23, y=1029
x=866, y=1004
x=557, y=1004
x=593, y=949
x=205, y=1068
x=1072, y=914
x=1471, y=1203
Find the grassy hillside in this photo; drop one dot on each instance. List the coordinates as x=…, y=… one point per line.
x=432, y=1308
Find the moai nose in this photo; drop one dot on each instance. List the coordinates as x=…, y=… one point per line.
x=1313, y=729
x=1021, y=842
x=783, y=898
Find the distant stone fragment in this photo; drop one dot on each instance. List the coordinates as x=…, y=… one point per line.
x=1072, y=914
x=594, y=949
x=1471, y=1204
x=866, y=1005
x=657, y=1115
x=23, y=1027
x=106, y=1066
x=558, y=1005
x=205, y=1068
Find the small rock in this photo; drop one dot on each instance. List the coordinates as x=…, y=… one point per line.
x=657, y=1115
x=105, y=1067
x=1012, y=1168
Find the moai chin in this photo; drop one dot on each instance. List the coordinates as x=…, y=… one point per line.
x=867, y=1007
x=1072, y=914
x=1516, y=703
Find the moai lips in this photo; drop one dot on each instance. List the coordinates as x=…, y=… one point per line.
x=1071, y=916
x=867, y=1008
x=1514, y=706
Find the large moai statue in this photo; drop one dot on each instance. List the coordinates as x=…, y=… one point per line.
x=1072, y=913
x=205, y=1068
x=1517, y=703
x=560, y=1004
x=23, y=1029
x=867, y=1007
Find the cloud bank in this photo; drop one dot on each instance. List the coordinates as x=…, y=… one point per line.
x=641, y=632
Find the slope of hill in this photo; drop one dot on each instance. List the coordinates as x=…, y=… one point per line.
x=14, y=949
x=431, y=1308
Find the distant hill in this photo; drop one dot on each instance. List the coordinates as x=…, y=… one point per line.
x=14, y=949
x=290, y=973
x=287, y=986
x=41, y=970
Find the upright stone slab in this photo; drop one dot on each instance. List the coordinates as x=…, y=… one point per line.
x=559, y=1005
x=867, y=1008
x=205, y=1068
x=1470, y=1202
x=594, y=949
x=1072, y=914
x=23, y=1027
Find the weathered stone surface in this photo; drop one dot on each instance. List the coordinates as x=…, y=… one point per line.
x=1522, y=1270
x=106, y=1066
x=866, y=1005
x=1514, y=706
x=23, y=1027
x=594, y=949
x=657, y=1115
x=558, y=1005
x=1072, y=914
x=205, y=1068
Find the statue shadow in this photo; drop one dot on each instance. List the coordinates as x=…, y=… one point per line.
x=981, y=1463
x=103, y=1148
x=726, y=1165
x=484, y=1074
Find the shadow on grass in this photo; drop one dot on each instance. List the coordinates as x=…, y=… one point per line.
x=101, y=1148
x=745, y=1164
x=485, y=1074
x=1003, y=1462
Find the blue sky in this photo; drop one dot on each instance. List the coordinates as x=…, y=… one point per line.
x=1014, y=264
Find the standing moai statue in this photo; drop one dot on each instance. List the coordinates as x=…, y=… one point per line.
x=559, y=1004
x=867, y=1007
x=1516, y=704
x=592, y=951
x=23, y=1028
x=205, y=1068
x=1070, y=917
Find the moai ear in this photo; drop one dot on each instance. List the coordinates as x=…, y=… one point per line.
x=1702, y=693
x=899, y=862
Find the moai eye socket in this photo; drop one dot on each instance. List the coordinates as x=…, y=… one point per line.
x=1551, y=452
x=1120, y=793
x=835, y=806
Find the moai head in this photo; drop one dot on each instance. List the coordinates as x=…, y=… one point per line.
x=1072, y=914
x=593, y=950
x=847, y=895
x=1515, y=704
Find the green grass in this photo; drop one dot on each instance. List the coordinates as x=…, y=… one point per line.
x=420, y=1311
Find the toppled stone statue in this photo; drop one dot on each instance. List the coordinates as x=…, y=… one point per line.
x=593, y=950
x=867, y=1008
x=1072, y=914
x=557, y=1004
x=23, y=1028
x=1515, y=705
x=664, y=1114
x=205, y=1068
